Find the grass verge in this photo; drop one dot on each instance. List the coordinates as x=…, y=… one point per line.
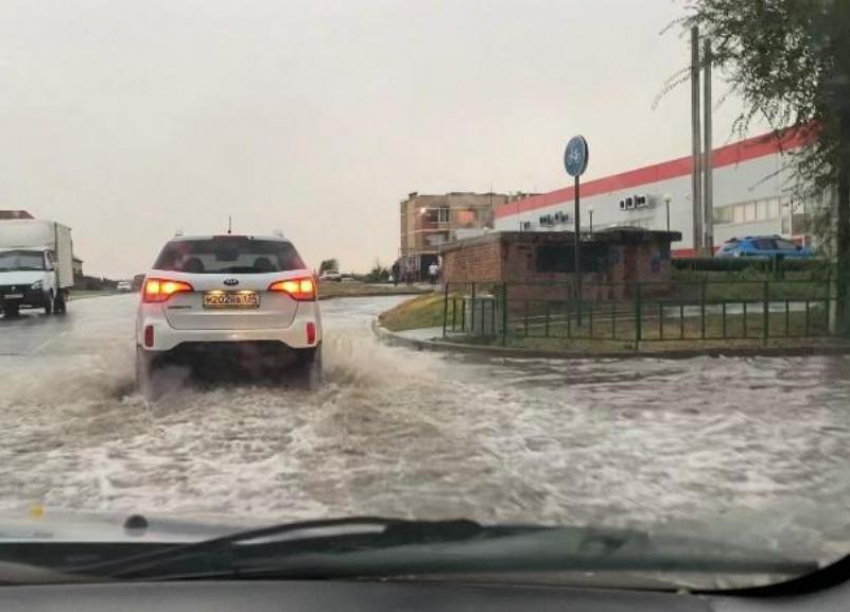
x=420, y=312
x=329, y=290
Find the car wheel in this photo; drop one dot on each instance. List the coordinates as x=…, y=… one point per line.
x=310, y=366
x=60, y=305
x=148, y=380
x=11, y=309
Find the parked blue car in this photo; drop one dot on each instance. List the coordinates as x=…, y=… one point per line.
x=765, y=247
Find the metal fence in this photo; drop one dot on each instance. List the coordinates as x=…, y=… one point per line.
x=643, y=312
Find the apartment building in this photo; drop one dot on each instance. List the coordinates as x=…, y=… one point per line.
x=430, y=221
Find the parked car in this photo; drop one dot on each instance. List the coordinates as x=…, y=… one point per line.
x=331, y=275
x=764, y=247
x=124, y=287
x=231, y=299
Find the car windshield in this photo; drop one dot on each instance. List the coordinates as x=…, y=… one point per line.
x=425, y=287
x=229, y=254
x=785, y=245
x=21, y=260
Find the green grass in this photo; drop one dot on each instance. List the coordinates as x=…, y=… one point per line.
x=329, y=290
x=420, y=312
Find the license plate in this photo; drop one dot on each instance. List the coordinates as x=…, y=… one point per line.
x=231, y=299
x=14, y=296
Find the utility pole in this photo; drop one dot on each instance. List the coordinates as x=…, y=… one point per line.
x=696, y=177
x=708, y=158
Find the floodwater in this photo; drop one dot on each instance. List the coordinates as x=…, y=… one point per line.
x=753, y=450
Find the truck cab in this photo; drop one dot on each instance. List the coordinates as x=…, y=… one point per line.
x=28, y=279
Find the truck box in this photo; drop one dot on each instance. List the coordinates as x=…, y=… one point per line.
x=23, y=233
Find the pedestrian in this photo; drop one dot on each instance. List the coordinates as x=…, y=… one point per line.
x=396, y=273
x=433, y=272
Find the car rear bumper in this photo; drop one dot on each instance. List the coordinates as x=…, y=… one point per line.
x=224, y=357
x=166, y=338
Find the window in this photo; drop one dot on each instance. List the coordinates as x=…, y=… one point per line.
x=724, y=214
x=21, y=260
x=785, y=245
x=443, y=215
x=738, y=214
x=229, y=254
x=465, y=218
x=764, y=244
x=749, y=211
x=773, y=208
x=554, y=258
x=551, y=258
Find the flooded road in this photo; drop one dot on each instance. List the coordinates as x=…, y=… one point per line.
x=752, y=450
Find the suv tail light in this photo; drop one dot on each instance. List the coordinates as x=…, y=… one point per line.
x=159, y=290
x=302, y=289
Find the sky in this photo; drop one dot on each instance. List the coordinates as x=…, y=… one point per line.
x=129, y=120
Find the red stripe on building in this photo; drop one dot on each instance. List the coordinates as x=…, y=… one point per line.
x=735, y=153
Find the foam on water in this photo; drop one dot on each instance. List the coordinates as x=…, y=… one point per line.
x=722, y=447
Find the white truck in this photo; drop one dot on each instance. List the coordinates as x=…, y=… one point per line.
x=36, y=265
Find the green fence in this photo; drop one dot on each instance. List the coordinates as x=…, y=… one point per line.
x=644, y=312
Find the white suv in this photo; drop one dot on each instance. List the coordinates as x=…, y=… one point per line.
x=210, y=299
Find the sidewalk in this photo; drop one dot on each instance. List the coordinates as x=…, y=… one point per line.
x=430, y=339
x=427, y=333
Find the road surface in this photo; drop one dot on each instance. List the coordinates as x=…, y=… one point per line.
x=746, y=449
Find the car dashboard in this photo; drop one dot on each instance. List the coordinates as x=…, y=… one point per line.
x=372, y=596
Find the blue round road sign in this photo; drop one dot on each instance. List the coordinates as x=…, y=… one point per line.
x=576, y=156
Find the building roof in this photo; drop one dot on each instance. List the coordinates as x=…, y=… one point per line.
x=15, y=214
x=735, y=153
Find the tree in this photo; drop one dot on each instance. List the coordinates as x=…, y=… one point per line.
x=789, y=62
x=378, y=274
x=328, y=265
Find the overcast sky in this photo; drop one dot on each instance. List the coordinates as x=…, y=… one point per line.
x=129, y=119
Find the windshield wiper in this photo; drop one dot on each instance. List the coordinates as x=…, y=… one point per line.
x=328, y=535
x=369, y=547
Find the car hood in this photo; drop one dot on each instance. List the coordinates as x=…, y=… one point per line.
x=38, y=525
x=20, y=277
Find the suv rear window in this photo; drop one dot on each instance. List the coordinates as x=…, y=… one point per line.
x=229, y=255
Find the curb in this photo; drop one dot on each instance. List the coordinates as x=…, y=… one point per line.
x=396, y=339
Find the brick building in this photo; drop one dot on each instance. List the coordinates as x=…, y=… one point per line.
x=429, y=221
x=542, y=264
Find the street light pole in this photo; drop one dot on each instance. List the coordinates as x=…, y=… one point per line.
x=667, y=199
x=590, y=213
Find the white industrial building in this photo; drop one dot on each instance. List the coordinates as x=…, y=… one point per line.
x=751, y=197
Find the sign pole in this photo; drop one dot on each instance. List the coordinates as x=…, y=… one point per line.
x=576, y=157
x=578, y=251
